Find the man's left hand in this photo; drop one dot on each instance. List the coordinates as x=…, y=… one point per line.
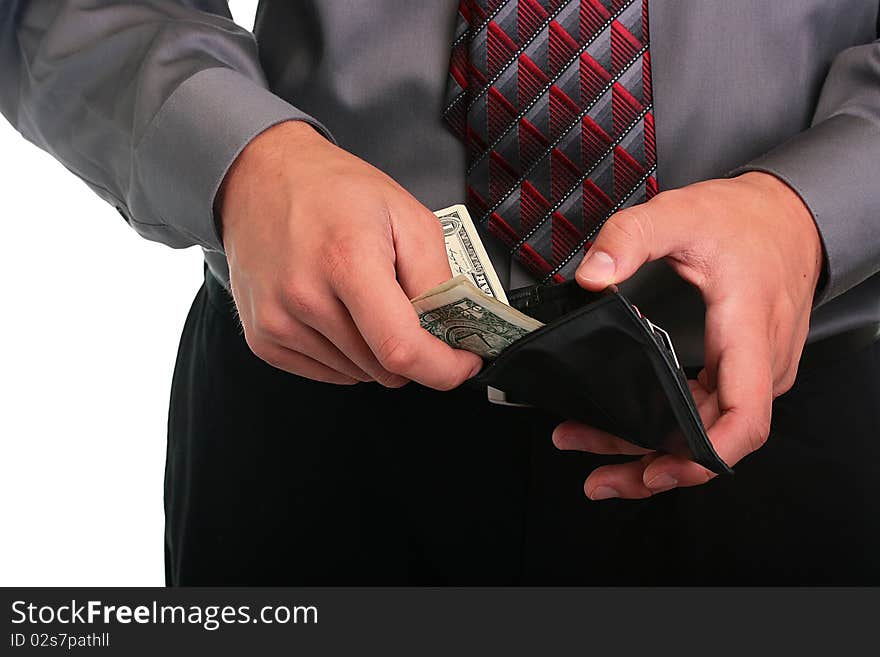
x=750, y=246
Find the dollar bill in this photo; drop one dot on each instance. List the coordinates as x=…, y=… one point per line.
x=465, y=251
x=465, y=317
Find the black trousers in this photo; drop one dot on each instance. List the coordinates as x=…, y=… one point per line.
x=272, y=479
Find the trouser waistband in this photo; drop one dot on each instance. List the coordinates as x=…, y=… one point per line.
x=816, y=354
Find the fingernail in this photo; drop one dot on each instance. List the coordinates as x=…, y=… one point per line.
x=597, y=267
x=661, y=482
x=476, y=369
x=603, y=493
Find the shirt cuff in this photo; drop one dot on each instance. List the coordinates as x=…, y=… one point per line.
x=193, y=140
x=832, y=167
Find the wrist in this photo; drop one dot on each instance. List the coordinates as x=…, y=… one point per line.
x=797, y=217
x=262, y=159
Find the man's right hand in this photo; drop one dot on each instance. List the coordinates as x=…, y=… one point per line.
x=324, y=253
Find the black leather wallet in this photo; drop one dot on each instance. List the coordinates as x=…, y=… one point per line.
x=597, y=360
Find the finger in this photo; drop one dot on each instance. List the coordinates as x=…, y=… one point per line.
x=308, y=342
x=620, y=480
x=332, y=320
x=734, y=312
x=630, y=238
x=707, y=403
x=390, y=326
x=301, y=365
x=422, y=262
x=787, y=377
x=273, y=335
x=575, y=436
x=704, y=380
x=668, y=471
x=745, y=399
x=572, y=435
x=745, y=396
x=736, y=332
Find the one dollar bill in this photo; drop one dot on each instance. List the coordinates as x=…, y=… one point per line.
x=470, y=311
x=465, y=251
x=465, y=317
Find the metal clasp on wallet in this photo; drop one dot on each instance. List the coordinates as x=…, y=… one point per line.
x=499, y=397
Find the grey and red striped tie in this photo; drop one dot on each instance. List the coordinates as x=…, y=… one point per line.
x=553, y=101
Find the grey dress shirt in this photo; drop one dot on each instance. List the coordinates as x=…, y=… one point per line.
x=150, y=102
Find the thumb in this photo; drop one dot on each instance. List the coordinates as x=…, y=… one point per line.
x=629, y=239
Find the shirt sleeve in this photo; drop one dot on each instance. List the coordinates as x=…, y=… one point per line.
x=148, y=102
x=833, y=166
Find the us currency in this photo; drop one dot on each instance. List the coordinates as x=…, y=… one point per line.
x=465, y=251
x=465, y=317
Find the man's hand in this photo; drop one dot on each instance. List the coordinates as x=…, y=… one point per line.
x=324, y=252
x=751, y=247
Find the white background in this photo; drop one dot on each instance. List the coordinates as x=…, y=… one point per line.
x=91, y=317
